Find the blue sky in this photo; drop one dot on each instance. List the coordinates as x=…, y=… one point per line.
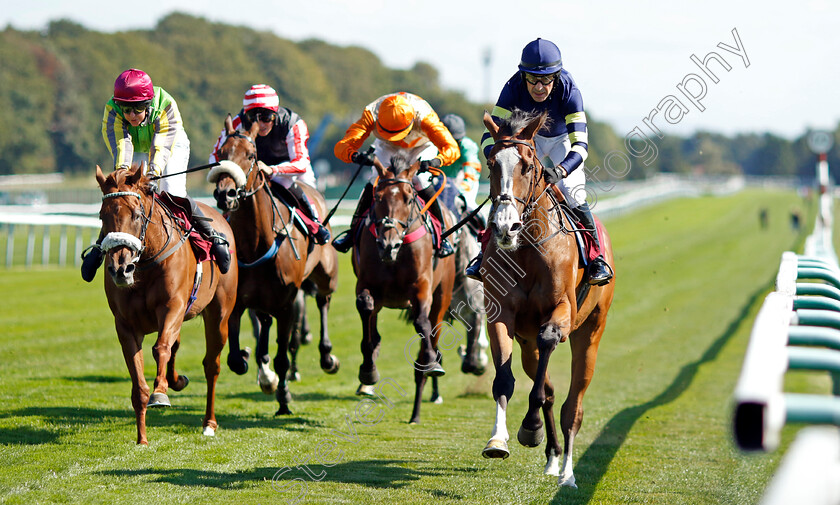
x=628, y=58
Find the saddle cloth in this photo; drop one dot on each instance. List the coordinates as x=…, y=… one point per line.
x=180, y=208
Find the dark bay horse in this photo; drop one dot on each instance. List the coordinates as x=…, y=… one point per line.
x=154, y=285
x=275, y=257
x=395, y=267
x=535, y=292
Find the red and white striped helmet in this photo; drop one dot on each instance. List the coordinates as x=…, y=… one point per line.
x=261, y=96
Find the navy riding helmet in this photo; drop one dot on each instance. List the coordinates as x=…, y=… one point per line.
x=541, y=57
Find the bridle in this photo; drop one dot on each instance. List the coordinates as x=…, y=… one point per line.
x=241, y=192
x=137, y=243
x=388, y=222
x=530, y=202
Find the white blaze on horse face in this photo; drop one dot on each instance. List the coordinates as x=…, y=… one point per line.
x=507, y=218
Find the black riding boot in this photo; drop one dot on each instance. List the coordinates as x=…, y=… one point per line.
x=219, y=249
x=427, y=193
x=599, y=272
x=91, y=259
x=344, y=241
x=323, y=235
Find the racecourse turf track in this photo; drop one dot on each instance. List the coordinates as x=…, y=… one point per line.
x=691, y=276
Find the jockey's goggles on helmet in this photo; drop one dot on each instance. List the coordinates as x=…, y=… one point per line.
x=545, y=80
x=135, y=107
x=263, y=116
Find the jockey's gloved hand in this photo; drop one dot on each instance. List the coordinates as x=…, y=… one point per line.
x=552, y=175
x=364, y=159
x=155, y=185
x=425, y=165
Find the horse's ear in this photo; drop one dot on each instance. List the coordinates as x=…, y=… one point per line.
x=533, y=127
x=228, y=125
x=134, y=174
x=100, y=178
x=490, y=125
x=255, y=128
x=380, y=168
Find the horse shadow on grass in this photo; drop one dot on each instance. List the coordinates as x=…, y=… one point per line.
x=290, y=482
x=595, y=461
x=68, y=420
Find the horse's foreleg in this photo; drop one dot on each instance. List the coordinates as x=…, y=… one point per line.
x=266, y=378
x=368, y=375
x=329, y=363
x=501, y=347
x=295, y=338
x=584, y=344
x=133, y=355
x=215, y=336
x=237, y=359
x=176, y=382
x=168, y=334
x=285, y=320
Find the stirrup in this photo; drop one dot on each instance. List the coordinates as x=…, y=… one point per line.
x=473, y=270
x=600, y=272
x=92, y=258
x=344, y=241
x=445, y=250
x=323, y=235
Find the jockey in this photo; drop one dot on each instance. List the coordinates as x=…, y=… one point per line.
x=281, y=147
x=400, y=122
x=467, y=169
x=141, y=123
x=542, y=85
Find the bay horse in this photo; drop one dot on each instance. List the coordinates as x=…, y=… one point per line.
x=155, y=284
x=395, y=267
x=536, y=292
x=276, y=258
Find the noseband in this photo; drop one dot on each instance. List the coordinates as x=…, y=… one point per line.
x=241, y=193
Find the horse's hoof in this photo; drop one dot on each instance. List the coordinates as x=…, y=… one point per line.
x=365, y=390
x=567, y=481
x=268, y=382
x=306, y=339
x=436, y=399
x=332, y=367
x=293, y=376
x=434, y=371
x=283, y=411
x=158, y=400
x=368, y=377
x=182, y=382
x=209, y=431
x=238, y=364
x=246, y=353
x=469, y=368
x=283, y=396
x=496, y=449
x=531, y=438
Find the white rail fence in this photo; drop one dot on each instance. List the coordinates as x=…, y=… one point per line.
x=797, y=328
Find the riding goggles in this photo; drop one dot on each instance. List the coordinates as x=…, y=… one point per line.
x=135, y=107
x=262, y=117
x=545, y=80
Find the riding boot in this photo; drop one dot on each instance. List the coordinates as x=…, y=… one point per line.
x=92, y=258
x=344, y=241
x=219, y=249
x=323, y=235
x=600, y=272
x=427, y=194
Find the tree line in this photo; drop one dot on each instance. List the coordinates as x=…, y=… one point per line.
x=54, y=84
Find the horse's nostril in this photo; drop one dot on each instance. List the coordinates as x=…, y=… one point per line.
x=515, y=227
x=129, y=268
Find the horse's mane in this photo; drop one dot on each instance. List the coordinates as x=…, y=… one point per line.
x=400, y=163
x=117, y=178
x=518, y=120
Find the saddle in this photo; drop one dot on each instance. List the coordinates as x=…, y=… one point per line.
x=180, y=210
x=303, y=222
x=586, y=243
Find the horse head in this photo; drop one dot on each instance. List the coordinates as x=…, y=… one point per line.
x=237, y=158
x=124, y=220
x=394, y=205
x=515, y=173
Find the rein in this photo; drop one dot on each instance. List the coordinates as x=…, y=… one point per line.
x=388, y=222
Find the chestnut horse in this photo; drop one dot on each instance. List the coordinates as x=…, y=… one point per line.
x=536, y=292
x=275, y=256
x=155, y=284
x=395, y=267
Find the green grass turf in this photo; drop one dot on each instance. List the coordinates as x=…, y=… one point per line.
x=692, y=274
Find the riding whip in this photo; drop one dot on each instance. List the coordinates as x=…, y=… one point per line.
x=463, y=221
x=193, y=169
x=327, y=220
